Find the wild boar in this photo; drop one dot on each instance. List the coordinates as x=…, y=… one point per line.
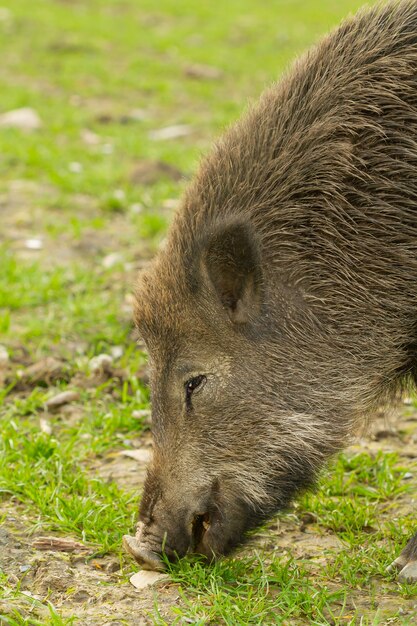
x=282, y=309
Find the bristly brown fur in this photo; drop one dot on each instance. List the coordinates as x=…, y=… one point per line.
x=320, y=177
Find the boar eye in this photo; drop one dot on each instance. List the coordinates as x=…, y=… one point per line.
x=192, y=385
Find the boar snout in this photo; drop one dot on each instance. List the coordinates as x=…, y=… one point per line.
x=141, y=552
x=169, y=529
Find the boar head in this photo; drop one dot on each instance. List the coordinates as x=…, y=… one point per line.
x=230, y=445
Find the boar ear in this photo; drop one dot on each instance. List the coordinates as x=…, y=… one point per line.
x=232, y=261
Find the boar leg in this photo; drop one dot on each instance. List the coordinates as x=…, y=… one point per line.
x=406, y=564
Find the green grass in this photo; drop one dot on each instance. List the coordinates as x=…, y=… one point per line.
x=51, y=473
x=90, y=66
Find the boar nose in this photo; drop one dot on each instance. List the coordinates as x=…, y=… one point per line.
x=180, y=538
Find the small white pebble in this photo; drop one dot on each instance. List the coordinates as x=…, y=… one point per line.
x=119, y=194
x=146, y=578
x=142, y=455
x=140, y=414
x=89, y=137
x=34, y=244
x=25, y=119
x=99, y=363
x=29, y=594
x=136, y=208
x=45, y=426
x=111, y=260
x=170, y=132
x=116, y=352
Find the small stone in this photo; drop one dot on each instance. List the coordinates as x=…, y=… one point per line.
x=65, y=397
x=143, y=455
x=147, y=578
x=136, y=208
x=25, y=119
x=45, y=426
x=101, y=363
x=119, y=194
x=142, y=414
x=112, y=259
x=170, y=132
x=138, y=115
x=89, y=137
x=34, y=244
x=117, y=352
x=126, y=442
x=29, y=594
